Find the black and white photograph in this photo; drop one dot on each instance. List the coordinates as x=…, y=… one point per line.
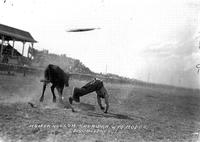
x=99, y=71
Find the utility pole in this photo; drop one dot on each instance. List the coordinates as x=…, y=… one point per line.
x=106, y=69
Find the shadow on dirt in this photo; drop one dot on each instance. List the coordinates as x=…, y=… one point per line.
x=89, y=110
x=86, y=107
x=108, y=115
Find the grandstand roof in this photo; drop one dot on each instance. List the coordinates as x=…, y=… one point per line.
x=11, y=33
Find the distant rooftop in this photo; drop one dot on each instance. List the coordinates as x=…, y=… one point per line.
x=11, y=33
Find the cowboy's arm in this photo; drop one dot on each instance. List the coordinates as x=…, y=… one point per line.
x=99, y=102
x=106, y=101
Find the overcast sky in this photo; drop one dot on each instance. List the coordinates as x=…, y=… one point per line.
x=150, y=40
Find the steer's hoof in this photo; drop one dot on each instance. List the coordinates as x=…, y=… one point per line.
x=70, y=100
x=41, y=99
x=105, y=111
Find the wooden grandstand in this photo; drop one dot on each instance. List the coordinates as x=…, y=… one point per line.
x=10, y=58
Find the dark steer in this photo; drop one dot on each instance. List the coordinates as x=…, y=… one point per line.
x=94, y=85
x=58, y=78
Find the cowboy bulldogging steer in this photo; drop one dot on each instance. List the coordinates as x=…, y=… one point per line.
x=94, y=85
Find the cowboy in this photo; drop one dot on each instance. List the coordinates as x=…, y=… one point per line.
x=94, y=85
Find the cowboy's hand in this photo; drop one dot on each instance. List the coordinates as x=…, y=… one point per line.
x=106, y=109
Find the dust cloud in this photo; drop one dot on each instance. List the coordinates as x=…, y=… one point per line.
x=20, y=89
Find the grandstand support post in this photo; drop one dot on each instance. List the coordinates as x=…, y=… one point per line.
x=23, y=48
x=29, y=49
x=32, y=45
x=2, y=39
x=28, y=52
x=13, y=47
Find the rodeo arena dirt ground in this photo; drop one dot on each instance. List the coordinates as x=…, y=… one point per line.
x=137, y=113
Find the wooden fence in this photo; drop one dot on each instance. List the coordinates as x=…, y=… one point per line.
x=25, y=70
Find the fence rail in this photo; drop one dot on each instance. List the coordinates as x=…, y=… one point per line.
x=25, y=70
x=19, y=69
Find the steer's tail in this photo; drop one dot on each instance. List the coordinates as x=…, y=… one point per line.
x=45, y=82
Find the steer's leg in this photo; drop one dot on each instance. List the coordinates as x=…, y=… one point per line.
x=43, y=90
x=52, y=90
x=60, y=91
